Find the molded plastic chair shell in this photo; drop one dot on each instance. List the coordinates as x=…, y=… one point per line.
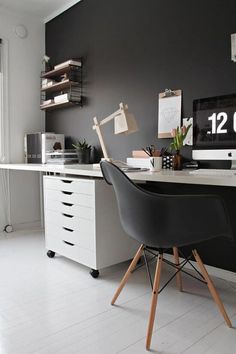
x=165, y=221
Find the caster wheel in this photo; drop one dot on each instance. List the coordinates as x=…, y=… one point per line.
x=94, y=273
x=8, y=228
x=50, y=254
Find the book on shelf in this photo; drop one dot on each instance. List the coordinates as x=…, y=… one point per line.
x=44, y=103
x=47, y=83
x=68, y=62
x=65, y=97
x=61, y=98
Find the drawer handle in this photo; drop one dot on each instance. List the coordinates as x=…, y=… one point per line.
x=66, y=181
x=68, y=243
x=67, y=229
x=68, y=193
x=67, y=204
x=68, y=215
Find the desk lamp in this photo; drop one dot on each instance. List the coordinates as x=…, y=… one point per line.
x=124, y=122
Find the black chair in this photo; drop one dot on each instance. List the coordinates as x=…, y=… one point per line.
x=157, y=222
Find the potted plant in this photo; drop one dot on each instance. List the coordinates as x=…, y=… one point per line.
x=47, y=63
x=178, y=134
x=83, y=151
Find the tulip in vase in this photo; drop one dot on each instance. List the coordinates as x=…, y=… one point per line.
x=178, y=134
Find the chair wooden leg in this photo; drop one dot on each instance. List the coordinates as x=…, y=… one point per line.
x=154, y=301
x=178, y=275
x=212, y=288
x=127, y=274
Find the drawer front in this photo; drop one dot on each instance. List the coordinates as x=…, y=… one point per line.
x=81, y=238
x=69, y=197
x=70, y=185
x=69, y=208
x=69, y=221
x=74, y=252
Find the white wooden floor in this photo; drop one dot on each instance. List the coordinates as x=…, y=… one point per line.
x=50, y=306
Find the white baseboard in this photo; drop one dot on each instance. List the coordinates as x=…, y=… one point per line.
x=213, y=271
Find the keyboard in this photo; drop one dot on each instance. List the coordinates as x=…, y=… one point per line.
x=133, y=169
x=213, y=172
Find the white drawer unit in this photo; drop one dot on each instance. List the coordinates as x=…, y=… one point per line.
x=80, y=186
x=82, y=223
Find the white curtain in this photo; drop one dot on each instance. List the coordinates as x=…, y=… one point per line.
x=4, y=175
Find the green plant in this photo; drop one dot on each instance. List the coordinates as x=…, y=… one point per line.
x=82, y=145
x=47, y=63
x=178, y=134
x=46, y=59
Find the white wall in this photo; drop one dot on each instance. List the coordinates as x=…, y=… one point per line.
x=24, y=66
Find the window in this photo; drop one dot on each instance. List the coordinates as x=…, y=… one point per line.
x=5, y=218
x=4, y=141
x=1, y=98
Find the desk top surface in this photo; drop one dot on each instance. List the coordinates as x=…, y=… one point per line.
x=169, y=176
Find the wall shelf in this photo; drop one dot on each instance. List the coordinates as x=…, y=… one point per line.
x=53, y=106
x=64, y=81
x=60, y=86
x=57, y=72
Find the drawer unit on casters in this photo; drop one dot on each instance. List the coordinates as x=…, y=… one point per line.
x=82, y=223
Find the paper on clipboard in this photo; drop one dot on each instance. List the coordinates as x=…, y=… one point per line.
x=169, y=112
x=189, y=137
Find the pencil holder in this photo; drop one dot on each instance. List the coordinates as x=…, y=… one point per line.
x=167, y=162
x=155, y=163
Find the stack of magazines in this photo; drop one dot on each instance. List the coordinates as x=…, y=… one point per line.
x=62, y=157
x=74, y=96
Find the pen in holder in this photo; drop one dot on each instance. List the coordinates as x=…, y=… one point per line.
x=155, y=163
x=155, y=160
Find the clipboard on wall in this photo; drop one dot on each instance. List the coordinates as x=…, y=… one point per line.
x=169, y=112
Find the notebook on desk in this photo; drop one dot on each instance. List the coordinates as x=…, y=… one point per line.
x=123, y=167
x=133, y=169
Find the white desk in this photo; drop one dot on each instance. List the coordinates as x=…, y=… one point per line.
x=99, y=244
x=169, y=176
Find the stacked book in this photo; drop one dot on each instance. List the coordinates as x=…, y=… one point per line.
x=47, y=83
x=61, y=98
x=45, y=103
x=74, y=95
x=62, y=157
x=139, y=159
x=68, y=62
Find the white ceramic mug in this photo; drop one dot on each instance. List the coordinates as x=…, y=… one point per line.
x=155, y=163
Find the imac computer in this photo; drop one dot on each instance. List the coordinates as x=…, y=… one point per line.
x=214, y=128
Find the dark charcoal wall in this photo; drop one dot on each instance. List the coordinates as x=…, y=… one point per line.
x=134, y=49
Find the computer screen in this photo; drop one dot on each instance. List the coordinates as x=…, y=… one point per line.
x=214, y=128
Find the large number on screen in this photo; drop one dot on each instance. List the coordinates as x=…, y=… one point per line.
x=222, y=117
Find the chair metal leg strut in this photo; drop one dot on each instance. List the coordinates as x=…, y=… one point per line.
x=147, y=267
x=178, y=275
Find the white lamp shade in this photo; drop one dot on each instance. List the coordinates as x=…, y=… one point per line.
x=125, y=123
